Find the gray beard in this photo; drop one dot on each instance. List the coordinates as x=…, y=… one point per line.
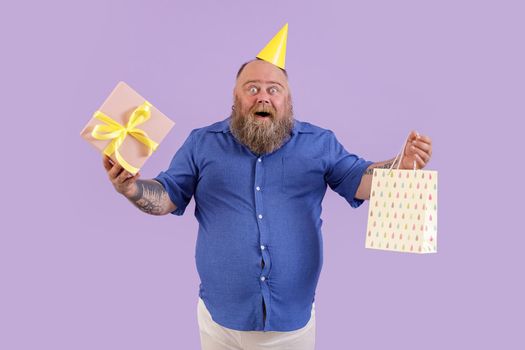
x=261, y=136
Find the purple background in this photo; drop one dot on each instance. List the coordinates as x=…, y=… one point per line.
x=80, y=268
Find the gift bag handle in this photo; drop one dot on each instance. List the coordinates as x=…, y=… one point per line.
x=400, y=156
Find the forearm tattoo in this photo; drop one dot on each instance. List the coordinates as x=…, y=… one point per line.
x=151, y=197
x=371, y=168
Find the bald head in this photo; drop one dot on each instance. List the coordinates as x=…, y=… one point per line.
x=255, y=60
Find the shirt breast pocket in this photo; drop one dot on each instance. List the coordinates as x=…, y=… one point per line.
x=302, y=175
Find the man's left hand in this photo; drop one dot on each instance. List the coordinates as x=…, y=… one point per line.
x=418, y=149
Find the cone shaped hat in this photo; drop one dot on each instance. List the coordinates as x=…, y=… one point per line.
x=275, y=51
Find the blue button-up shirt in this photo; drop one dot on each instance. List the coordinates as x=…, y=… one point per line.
x=259, y=248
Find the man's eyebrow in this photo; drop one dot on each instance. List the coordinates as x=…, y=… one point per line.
x=260, y=81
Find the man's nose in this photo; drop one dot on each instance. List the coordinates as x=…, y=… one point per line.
x=263, y=99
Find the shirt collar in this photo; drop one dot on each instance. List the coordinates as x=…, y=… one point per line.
x=224, y=127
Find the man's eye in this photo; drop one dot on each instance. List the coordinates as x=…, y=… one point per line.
x=253, y=90
x=273, y=90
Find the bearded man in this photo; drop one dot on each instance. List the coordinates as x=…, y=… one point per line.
x=258, y=178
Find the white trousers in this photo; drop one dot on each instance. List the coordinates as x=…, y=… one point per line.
x=216, y=337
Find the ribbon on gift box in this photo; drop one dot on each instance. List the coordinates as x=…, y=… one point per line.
x=117, y=133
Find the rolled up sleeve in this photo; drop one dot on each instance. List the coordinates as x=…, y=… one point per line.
x=345, y=171
x=180, y=179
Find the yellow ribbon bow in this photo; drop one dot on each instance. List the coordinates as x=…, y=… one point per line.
x=117, y=133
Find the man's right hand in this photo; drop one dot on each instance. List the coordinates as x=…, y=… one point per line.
x=147, y=195
x=123, y=181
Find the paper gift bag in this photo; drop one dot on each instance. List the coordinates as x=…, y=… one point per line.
x=127, y=128
x=402, y=214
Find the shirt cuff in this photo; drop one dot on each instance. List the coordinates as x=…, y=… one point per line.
x=359, y=172
x=175, y=197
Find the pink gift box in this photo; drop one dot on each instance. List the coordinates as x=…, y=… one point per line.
x=119, y=106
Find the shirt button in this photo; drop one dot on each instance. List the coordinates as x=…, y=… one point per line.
x=263, y=278
x=263, y=247
x=259, y=160
x=258, y=188
x=260, y=216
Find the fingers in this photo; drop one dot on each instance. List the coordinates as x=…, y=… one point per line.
x=425, y=139
x=411, y=141
x=420, y=163
x=116, y=173
x=413, y=136
x=417, y=159
x=123, y=176
x=424, y=156
x=126, y=177
x=133, y=178
x=420, y=146
x=422, y=142
x=107, y=162
x=424, y=152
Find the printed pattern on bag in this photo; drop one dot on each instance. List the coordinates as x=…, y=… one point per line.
x=402, y=214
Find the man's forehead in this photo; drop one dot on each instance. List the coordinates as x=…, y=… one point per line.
x=261, y=71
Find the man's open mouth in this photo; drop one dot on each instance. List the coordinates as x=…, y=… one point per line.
x=263, y=114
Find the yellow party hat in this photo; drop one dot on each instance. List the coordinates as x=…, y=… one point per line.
x=275, y=51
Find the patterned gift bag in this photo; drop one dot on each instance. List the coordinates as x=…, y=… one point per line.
x=402, y=214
